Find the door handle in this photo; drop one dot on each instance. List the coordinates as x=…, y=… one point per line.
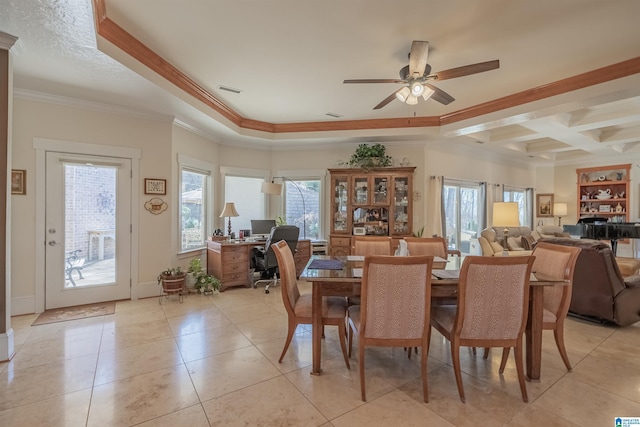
x=52, y=243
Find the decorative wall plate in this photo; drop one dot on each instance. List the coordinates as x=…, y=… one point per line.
x=156, y=206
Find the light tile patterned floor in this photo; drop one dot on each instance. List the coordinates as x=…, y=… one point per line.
x=212, y=361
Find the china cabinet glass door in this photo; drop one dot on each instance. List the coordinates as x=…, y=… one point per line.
x=401, y=205
x=339, y=218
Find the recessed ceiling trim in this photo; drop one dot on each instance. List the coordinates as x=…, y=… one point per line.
x=118, y=37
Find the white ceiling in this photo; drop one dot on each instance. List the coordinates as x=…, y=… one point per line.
x=289, y=58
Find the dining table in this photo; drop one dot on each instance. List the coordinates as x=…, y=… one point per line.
x=342, y=276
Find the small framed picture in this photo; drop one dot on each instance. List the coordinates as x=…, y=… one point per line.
x=18, y=181
x=544, y=205
x=359, y=231
x=604, y=208
x=155, y=186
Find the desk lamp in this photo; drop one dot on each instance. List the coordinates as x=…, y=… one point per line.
x=560, y=209
x=506, y=214
x=229, y=211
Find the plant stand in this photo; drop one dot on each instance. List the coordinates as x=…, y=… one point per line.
x=171, y=285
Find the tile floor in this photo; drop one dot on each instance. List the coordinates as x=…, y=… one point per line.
x=212, y=361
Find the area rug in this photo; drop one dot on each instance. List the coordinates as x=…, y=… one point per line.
x=76, y=312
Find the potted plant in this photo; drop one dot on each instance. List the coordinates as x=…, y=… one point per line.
x=370, y=156
x=203, y=282
x=194, y=270
x=172, y=280
x=207, y=284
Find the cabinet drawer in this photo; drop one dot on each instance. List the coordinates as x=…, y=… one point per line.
x=303, y=249
x=341, y=241
x=235, y=255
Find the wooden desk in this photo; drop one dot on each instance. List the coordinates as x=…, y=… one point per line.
x=231, y=261
x=344, y=283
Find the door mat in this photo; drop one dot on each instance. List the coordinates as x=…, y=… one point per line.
x=74, y=313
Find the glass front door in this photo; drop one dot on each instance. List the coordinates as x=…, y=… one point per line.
x=88, y=229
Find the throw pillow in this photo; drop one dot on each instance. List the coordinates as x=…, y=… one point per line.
x=562, y=234
x=527, y=242
x=513, y=244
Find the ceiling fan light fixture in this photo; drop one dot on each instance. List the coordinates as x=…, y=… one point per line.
x=427, y=93
x=416, y=89
x=403, y=94
x=412, y=100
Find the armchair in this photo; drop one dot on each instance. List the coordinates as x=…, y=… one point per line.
x=265, y=260
x=600, y=291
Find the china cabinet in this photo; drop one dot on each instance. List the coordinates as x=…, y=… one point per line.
x=376, y=202
x=604, y=191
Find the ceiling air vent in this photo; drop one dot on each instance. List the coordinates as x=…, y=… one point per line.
x=229, y=89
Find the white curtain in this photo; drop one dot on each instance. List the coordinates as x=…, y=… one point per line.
x=435, y=208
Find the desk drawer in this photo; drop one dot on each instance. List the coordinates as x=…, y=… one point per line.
x=238, y=254
x=233, y=278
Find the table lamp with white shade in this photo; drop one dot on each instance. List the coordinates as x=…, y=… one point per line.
x=560, y=209
x=229, y=211
x=506, y=214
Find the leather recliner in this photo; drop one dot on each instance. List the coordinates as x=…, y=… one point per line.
x=599, y=289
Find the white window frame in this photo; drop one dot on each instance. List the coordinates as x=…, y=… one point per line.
x=526, y=210
x=308, y=175
x=263, y=174
x=192, y=164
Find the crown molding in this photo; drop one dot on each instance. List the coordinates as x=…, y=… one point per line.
x=90, y=105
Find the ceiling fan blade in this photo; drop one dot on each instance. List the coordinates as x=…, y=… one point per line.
x=387, y=100
x=374, y=81
x=418, y=58
x=439, y=95
x=467, y=70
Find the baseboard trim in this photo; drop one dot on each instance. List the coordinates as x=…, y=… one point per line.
x=7, y=350
x=23, y=305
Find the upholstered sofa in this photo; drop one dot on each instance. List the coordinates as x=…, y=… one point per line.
x=549, y=231
x=492, y=240
x=600, y=290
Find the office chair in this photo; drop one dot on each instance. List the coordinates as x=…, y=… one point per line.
x=266, y=261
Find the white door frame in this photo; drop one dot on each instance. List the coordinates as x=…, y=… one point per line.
x=41, y=146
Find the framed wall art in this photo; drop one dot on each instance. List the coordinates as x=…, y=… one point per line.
x=544, y=205
x=155, y=186
x=18, y=181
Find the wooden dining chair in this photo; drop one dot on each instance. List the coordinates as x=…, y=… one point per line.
x=299, y=306
x=492, y=309
x=394, y=309
x=372, y=245
x=434, y=246
x=367, y=246
x=554, y=262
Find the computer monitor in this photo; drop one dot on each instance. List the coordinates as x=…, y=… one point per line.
x=262, y=226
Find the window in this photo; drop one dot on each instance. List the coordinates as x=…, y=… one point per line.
x=245, y=192
x=524, y=198
x=194, y=203
x=462, y=208
x=302, y=206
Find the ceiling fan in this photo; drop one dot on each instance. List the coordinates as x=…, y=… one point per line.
x=418, y=72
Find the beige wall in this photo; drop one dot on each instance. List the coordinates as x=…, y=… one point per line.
x=160, y=143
